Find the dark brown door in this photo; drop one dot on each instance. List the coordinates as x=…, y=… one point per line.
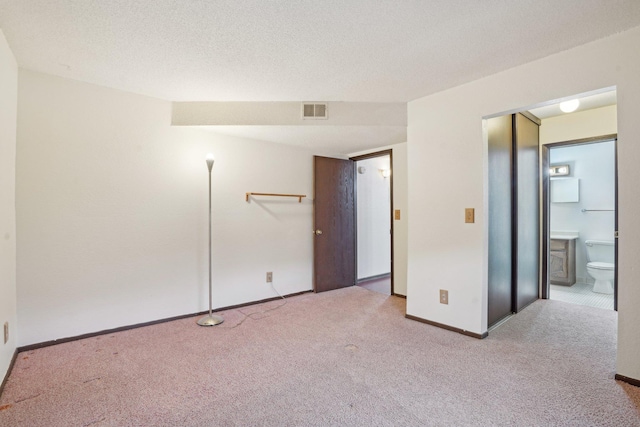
x=334, y=248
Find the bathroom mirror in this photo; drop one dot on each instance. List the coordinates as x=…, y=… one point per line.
x=565, y=190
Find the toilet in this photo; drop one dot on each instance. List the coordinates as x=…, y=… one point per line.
x=600, y=264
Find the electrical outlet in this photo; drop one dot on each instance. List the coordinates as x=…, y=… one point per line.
x=269, y=277
x=6, y=332
x=444, y=296
x=469, y=215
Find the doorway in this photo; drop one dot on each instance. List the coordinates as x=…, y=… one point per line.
x=335, y=254
x=374, y=225
x=580, y=221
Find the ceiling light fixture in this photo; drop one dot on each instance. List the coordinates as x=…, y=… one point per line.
x=570, y=106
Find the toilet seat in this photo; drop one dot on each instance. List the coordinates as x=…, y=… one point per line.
x=601, y=265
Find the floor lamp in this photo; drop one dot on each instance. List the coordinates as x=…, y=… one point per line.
x=210, y=319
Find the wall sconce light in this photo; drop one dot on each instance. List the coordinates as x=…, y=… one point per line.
x=386, y=173
x=559, y=170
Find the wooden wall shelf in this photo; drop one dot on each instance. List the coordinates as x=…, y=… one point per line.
x=298, y=196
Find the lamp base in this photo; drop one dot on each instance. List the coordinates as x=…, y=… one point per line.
x=212, y=320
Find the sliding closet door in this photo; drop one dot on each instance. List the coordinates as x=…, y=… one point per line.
x=526, y=226
x=500, y=135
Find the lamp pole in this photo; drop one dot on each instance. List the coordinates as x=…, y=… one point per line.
x=210, y=319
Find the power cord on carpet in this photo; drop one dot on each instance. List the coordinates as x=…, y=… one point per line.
x=247, y=316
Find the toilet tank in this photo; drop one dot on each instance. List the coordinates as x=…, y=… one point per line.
x=600, y=251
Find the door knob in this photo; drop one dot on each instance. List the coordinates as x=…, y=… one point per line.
x=318, y=232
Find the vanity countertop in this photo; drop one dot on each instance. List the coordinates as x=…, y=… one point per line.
x=564, y=235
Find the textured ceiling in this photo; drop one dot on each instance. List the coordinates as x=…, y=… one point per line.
x=295, y=50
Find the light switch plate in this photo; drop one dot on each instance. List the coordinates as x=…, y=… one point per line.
x=469, y=215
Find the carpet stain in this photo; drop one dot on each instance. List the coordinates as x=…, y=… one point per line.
x=5, y=407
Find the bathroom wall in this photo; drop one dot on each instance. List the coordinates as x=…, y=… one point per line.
x=374, y=217
x=594, y=166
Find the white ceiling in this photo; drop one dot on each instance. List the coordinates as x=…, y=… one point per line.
x=298, y=50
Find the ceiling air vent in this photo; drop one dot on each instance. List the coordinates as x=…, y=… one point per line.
x=314, y=111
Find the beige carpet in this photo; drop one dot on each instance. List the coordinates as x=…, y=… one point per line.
x=341, y=358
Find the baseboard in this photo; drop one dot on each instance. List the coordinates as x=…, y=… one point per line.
x=628, y=380
x=141, y=325
x=400, y=296
x=6, y=376
x=372, y=278
x=447, y=327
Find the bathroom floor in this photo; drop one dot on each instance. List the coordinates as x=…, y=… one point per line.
x=582, y=294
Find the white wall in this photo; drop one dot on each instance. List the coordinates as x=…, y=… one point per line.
x=8, y=108
x=288, y=113
x=374, y=217
x=400, y=227
x=112, y=208
x=447, y=159
x=594, y=166
x=579, y=125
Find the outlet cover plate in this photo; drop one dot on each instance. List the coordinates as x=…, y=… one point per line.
x=269, y=277
x=444, y=296
x=469, y=215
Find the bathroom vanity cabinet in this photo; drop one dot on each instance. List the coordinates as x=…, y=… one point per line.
x=562, y=261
